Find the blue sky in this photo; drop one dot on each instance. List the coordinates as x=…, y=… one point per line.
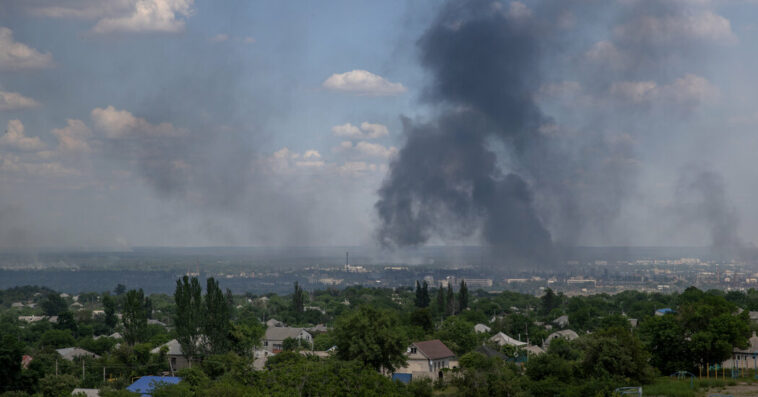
x=190, y=122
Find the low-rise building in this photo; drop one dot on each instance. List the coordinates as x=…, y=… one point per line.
x=566, y=334
x=273, y=341
x=70, y=353
x=502, y=339
x=427, y=359
x=175, y=355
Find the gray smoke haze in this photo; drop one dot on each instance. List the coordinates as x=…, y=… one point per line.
x=702, y=199
x=493, y=164
x=484, y=70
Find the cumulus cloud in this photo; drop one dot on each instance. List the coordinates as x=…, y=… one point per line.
x=15, y=55
x=606, y=53
x=673, y=29
x=82, y=9
x=361, y=82
x=366, y=131
x=367, y=149
x=517, y=10
x=149, y=16
x=15, y=101
x=73, y=137
x=219, y=38
x=687, y=91
x=14, y=137
x=122, y=124
x=13, y=164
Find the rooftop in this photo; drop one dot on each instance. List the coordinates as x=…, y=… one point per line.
x=434, y=349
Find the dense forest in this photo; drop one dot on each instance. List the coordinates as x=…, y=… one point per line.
x=621, y=342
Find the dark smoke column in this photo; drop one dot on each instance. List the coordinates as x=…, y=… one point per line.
x=446, y=181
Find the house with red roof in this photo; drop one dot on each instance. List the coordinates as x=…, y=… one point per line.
x=427, y=359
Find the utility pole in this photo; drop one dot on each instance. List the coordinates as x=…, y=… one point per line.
x=103, y=373
x=56, y=367
x=82, y=369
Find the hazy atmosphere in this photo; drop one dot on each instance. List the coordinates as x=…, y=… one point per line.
x=520, y=125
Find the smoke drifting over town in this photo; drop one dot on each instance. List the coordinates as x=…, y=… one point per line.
x=525, y=126
x=493, y=164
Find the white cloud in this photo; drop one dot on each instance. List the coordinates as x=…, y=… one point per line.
x=635, y=91
x=73, y=137
x=361, y=82
x=121, y=124
x=10, y=163
x=561, y=89
x=347, y=130
x=14, y=137
x=366, y=131
x=518, y=10
x=311, y=154
x=374, y=131
x=248, y=40
x=219, y=38
x=670, y=30
x=83, y=9
x=149, y=16
x=375, y=149
x=688, y=91
x=15, y=55
x=15, y=101
x=604, y=52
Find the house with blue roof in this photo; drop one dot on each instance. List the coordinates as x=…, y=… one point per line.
x=661, y=312
x=146, y=384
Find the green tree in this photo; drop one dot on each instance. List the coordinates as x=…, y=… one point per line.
x=217, y=318
x=57, y=338
x=426, y=300
x=422, y=295
x=422, y=318
x=54, y=305
x=57, y=385
x=463, y=296
x=189, y=315
x=370, y=336
x=441, y=301
x=298, y=299
x=665, y=339
x=616, y=352
x=119, y=290
x=450, y=301
x=134, y=317
x=457, y=334
x=419, y=301
x=11, y=351
x=66, y=321
x=109, y=307
x=291, y=344
x=548, y=302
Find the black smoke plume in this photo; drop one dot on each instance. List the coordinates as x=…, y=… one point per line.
x=446, y=180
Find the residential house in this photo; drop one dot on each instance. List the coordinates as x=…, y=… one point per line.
x=274, y=323
x=502, y=339
x=744, y=358
x=274, y=339
x=176, y=358
x=146, y=384
x=564, y=333
x=427, y=359
x=70, y=353
x=86, y=392
x=481, y=328
x=562, y=321
x=664, y=311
